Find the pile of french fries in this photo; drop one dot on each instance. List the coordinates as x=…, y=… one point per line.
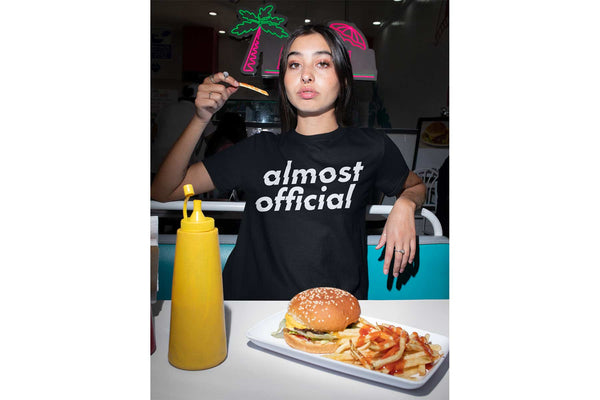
x=388, y=349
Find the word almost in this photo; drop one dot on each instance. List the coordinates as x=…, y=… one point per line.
x=291, y=194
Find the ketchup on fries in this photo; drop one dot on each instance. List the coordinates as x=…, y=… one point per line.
x=388, y=349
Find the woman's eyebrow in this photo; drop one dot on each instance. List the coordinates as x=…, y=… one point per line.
x=316, y=53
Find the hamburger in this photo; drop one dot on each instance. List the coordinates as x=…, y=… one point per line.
x=437, y=133
x=316, y=318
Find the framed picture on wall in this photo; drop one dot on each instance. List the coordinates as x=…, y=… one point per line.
x=434, y=131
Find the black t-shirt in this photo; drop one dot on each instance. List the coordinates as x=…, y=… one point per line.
x=304, y=220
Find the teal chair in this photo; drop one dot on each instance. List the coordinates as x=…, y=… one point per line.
x=427, y=278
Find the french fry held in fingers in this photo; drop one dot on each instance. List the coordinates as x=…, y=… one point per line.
x=247, y=86
x=387, y=349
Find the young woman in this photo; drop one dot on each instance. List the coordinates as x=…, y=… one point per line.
x=306, y=189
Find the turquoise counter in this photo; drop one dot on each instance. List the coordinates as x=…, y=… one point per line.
x=427, y=278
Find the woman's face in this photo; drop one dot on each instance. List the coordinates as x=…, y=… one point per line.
x=311, y=83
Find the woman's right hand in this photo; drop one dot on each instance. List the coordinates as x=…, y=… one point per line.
x=212, y=95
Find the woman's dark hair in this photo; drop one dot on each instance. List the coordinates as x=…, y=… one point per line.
x=343, y=68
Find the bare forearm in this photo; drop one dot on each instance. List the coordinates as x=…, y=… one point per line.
x=173, y=169
x=415, y=196
x=414, y=192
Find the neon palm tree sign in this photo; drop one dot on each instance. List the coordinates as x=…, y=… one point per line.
x=264, y=21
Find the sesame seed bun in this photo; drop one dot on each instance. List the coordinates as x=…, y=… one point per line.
x=314, y=317
x=325, y=309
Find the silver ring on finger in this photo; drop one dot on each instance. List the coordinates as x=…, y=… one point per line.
x=209, y=93
x=400, y=251
x=211, y=78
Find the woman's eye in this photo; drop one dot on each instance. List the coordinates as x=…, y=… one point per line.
x=323, y=64
x=293, y=65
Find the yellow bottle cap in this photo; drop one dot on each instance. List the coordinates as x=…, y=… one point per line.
x=188, y=190
x=196, y=222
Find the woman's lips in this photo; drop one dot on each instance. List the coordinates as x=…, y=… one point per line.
x=307, y=94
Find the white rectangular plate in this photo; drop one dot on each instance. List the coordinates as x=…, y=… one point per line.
x=260, y=334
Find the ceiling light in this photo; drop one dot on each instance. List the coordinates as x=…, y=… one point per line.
x=222, y=32
x=306, y=21
x=376, y=22
x=212, y=13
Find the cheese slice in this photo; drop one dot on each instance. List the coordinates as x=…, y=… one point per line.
x=291, y=322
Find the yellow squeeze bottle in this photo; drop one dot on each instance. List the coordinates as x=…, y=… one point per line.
x=197, y=339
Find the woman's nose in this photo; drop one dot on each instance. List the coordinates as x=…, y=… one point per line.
x=307, y=77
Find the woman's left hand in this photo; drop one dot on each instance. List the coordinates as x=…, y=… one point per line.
x=399, y=236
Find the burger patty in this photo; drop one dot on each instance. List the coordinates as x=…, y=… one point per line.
x=310, y=334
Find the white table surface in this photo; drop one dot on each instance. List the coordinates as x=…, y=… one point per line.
x=250, y=372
